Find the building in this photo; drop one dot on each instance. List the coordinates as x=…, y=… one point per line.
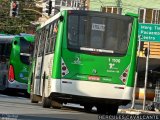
x=58, y=5
x=127, y=5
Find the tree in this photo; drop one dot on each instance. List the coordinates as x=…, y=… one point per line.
x=20, y=23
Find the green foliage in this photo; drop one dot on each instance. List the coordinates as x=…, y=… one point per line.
x=21, y=23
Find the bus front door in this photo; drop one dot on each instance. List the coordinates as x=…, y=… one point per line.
x=3, y=75
x=39, y=66
x=4, y=62
x=38, y=74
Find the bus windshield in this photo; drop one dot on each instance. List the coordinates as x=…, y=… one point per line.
x=101, y=34
x=26, y=50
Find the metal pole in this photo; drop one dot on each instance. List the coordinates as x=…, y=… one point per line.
x=119, y=2
x=136, y=74
x=84, y=4
x=146, y=76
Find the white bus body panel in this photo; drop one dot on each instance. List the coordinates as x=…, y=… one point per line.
x=47, y=68
x=92, y=89
x=37, y=76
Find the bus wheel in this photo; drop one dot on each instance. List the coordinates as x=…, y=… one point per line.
x=88, y=108
x=46, y=102
x=56, y=104
x=112, y=109
x=27, y=95
x=101, y=109
x=33, y=98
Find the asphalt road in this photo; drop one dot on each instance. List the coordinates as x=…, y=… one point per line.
x=19, y=107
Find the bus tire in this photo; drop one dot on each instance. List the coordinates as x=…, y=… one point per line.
x=112, y=109
x=27, y=95
x=101, y=109
x=56, y=104
x=46, y=102
x=33, y=98
x=88, y=108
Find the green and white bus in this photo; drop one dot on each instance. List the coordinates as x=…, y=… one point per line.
x=15, y=52
x=89, y=60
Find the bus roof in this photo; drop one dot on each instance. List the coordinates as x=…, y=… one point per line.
x=6, y=39
x=59, y=14
x=29, y=38
x=25, y=34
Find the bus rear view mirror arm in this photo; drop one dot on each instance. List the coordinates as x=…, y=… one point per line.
x=15, y=42
x=61, y=18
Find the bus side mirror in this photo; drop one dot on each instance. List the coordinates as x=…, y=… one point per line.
x=61, y=18
x=15, y=42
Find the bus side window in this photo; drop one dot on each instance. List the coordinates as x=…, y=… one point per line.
x=1, y=51
x=55, y=31
x=48, y=38
x=37, y=41
x=8, y=50
x=42, y=42
x=45, y=39
x=5, y=50
x=53, y=36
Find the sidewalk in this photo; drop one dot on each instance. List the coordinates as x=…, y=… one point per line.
x=137, y=112
x=138, y=109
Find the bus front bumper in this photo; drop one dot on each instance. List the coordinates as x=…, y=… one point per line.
x=17, y=85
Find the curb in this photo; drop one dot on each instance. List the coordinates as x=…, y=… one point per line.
x=137, y=112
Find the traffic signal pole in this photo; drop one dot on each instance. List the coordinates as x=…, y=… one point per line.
x=50, y=8
x=14, y=8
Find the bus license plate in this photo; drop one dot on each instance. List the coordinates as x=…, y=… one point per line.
x=93, y=78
